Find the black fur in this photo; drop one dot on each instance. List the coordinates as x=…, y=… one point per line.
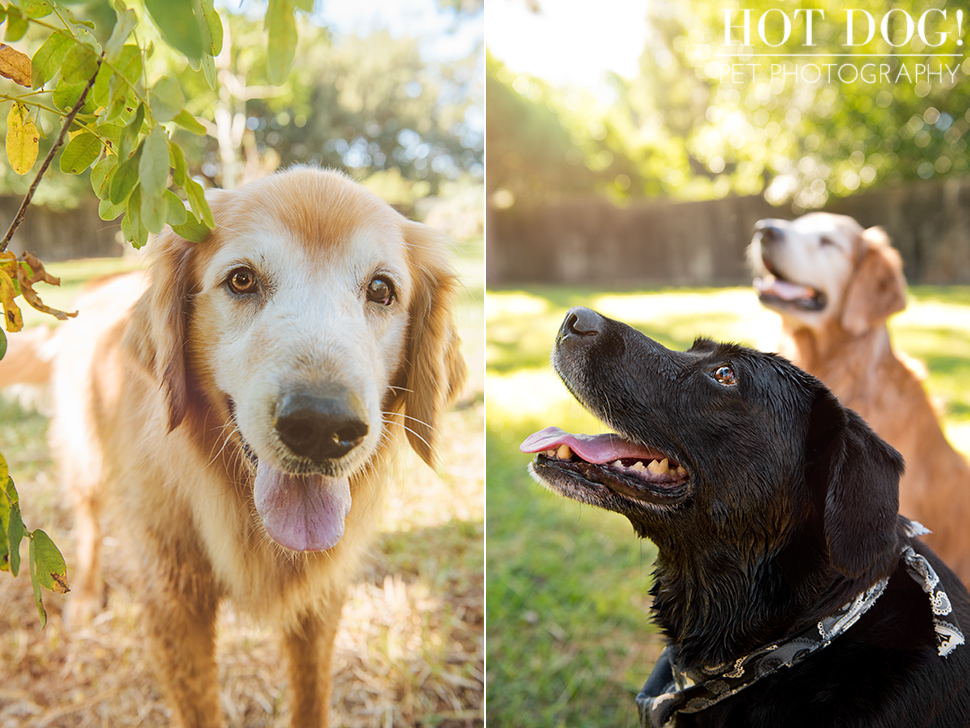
x=788, y=512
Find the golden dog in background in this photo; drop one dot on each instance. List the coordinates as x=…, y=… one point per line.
x=835, y=284
x=239, y=417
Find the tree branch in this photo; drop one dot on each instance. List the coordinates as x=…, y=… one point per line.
x=68, y=120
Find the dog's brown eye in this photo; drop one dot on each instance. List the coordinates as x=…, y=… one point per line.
x=380, y=290
x=725, y=375
x=243, y=280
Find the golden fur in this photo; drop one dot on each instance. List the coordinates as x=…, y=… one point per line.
x=154, y=406
x=28, y=357
x=846, y=344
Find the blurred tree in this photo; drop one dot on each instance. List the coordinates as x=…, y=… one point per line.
x=689, y=126
x=367, y=105
x=372, y=104
x=543, y=142
x=816, y=126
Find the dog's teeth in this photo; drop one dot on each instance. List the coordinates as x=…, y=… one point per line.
x=638, y=466
x=564, y=452
x=549, y=453
x=681, y=471
x=617, y=463
x=659, y=468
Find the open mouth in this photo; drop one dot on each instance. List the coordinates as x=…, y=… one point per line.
x=300, y=511
x=590, y=462
x=775, y=290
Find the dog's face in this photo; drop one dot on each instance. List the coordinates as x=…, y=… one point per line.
x=824, y=268
x=805, y=264
x=718, y=450
x=312, y=314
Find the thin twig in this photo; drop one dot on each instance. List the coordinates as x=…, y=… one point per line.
x=68, y=120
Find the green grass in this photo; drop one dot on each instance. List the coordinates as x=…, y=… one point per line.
x=569, y=641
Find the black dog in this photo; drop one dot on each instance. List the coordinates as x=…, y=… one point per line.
x=789, y=590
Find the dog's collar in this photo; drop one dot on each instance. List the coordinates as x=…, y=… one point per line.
x=669, y=690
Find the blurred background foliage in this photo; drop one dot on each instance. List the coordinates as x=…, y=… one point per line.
x=681, y=128
x=399, y=109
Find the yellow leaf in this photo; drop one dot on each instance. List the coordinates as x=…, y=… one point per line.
x=23, y=141
x=12, y=318
x=14, y=65
x=28, y=279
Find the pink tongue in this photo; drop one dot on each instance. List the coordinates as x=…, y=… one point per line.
x=301, y=512
x=597, y=449
x=783, y=289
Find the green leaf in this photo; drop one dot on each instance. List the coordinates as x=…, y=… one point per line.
x=38, y=595
x=36, y=8
x=80, y=153
x=189, y=123
x=153, y=167
x=48, y=58
x=153, y=175
x=16, y=24
x=107, y=210
x=80, y=64
x=209, y=71
x=66, y=94
x=125, y=178
x=192, y=230
x=179, y=25
x=196, y=195
x=110, y=88
x=177, y=162
x=4, y=474
x=131, y=225
x=211, y=26
x=304, y=5
x=15, y=533
x=133, y=209
x=127, y=20
x=4, y=526
x=101, y=176
x=3, y=348
x=49, y=563
x=154, y=210
x=166, y=99
x=281, y=44
x=176, y=213
x=129, y=135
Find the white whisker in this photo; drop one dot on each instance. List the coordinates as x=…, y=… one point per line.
x=409, y=417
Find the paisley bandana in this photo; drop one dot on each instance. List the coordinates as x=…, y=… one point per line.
x=670, y=690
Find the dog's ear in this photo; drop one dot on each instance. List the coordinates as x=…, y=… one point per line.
x=157, y=335
x=878, y=288
x=435, y=368
x=858, y=473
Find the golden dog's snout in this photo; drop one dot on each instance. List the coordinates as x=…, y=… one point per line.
x=320, y=425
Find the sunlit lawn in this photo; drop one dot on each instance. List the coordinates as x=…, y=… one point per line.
x=569, y=641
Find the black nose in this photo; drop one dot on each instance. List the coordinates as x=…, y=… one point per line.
x=580, y=323
x=768, y=233
x=319, y=426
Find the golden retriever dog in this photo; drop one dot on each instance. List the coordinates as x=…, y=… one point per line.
x=835, y=285
x=240, y=416
x=28, y=358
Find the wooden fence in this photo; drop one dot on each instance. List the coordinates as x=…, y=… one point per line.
x=591, y=241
